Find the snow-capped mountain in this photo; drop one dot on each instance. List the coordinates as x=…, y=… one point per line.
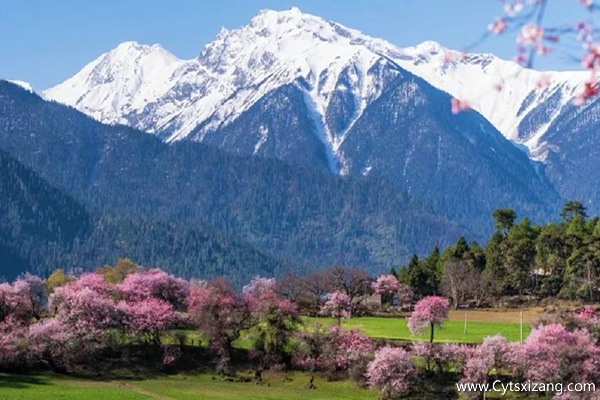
x=119, y=84
x=312, y=92
x=294, y=86
x=509, y=96
x=150, y=89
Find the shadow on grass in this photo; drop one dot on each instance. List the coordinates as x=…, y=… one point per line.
x=19, y=381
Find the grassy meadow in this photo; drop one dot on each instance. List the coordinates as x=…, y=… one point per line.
x=290, y=386
x=480, y=323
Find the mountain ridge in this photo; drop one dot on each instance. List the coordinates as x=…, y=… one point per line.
x=165, y=111
x=300, y=85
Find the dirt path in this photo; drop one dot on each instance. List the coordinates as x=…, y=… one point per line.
x=140, y=390
x=495, y=315
x=123, y=385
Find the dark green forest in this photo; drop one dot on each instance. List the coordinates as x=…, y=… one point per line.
x=286, y=216
x=41, y=229
x=559, y=259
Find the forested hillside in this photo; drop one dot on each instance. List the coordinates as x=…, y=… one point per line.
x=41, y=228
x=37, y=221
x=296, y=215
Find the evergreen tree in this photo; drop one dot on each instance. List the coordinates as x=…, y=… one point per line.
x=571, y=209
x=505, y=218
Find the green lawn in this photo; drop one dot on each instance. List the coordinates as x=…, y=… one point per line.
x=396, y=328
x=180, y=387
x=195, y=387
x=452, y=331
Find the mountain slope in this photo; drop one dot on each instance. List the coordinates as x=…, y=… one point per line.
x=36, y=220
x=459, y=163
x=572, y=144
x=41, y=229
x=302, y=215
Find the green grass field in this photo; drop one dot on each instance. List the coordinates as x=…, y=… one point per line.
x=194, y=387
x=452, y=331
x=179, y=387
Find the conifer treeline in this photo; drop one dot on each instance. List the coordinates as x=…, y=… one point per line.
x=559, y=259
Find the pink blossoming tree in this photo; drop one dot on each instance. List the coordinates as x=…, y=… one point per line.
x=147, y=319
x=391, y=372
x=220, y=314
x=488, y=357
x=157, y=284
x=389, y=288
x=551, y=353
x=273, y=321
x=429, y=312
x=338, y=306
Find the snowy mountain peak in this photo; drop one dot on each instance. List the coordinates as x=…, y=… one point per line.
x=151, y=89
x=135, y=49
x=291, y=17
x=119, y=81
x=276, y=48
x=428, y=47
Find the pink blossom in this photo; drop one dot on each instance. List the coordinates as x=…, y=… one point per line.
x=49, y=340
x=589, y=313
x=391, y=372
x=386, y=284
x=404, y=294
x=12, y=349
x=590, y=89
x=530, y=33
x=22, y=300
x=85, y=311
x=498, y=26
x=170, y=355
x=272, y=319
x=430, y=311
x=150, y=317
x=451, y=56
x=155, y=283
x=94, y=282
x=458, y=106
x=338, y=306
x=350, y=346
x=488, y=357
x=543, y=81
x=551, y=353
x=219, y=313
x=259, y=285
x=513, y=8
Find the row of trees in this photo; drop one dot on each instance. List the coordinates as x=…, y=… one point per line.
x=558, y=259
x=72, y=323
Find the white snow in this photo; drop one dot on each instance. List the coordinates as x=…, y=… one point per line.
x=264, y=134
x=23, y=84
x=150, y=89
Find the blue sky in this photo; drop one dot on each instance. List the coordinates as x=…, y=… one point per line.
x=45, y=42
